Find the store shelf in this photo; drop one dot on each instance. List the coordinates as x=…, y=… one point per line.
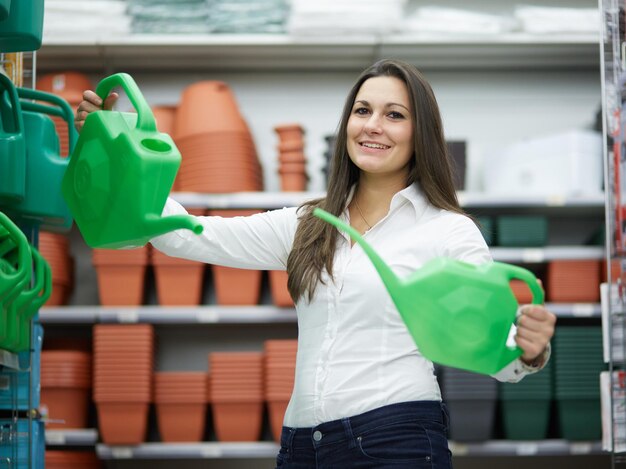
x=274, y=200
x=223, y=314
x=284, y=52
x=168, y=315
x=211, y=450
x=9, y=360
x=78, y=437
x=546, y=254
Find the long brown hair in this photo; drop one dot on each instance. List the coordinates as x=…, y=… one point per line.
x=315, y=240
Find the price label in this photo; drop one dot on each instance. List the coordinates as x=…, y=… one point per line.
x=580, y=448
x=210, y=451
x=55, y=437
x=527, y=449
x=129, y=316
x=533, y=255
x=121, y=452
x=555, y=201
x=207, y=316
x=583, y=310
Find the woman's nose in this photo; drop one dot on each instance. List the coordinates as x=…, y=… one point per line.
x=373, y=124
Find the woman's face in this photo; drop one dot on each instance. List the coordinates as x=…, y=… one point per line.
x=380, y=127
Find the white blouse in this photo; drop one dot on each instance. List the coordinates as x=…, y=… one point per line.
x=354, y=352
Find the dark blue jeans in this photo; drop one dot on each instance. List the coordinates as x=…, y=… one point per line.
x=410, y=435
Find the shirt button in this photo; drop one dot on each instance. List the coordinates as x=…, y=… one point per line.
x=317, y=435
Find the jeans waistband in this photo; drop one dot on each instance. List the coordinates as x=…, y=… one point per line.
x=342, y=429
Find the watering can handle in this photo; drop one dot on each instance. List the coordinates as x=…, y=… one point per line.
x=145, y=118
x=519, y=273
x=19, y=237
x=44, y=279
x=62, y=110
x=14, y=102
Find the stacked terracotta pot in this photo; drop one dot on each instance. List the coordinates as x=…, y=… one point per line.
x=292, y=162
x=571, y=281
x=72, y=460
x=521, y=291
x=123, y=363
x=180, y=399
x=237, y=395
x=280, y=366
x=218, y=151
x=178, y=281
x=55, y=248
x=236, y=286
x=165, y=116
x=69, y=86
x=121, y=275
x=65, y=388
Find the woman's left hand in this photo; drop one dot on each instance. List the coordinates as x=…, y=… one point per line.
x=535, y=328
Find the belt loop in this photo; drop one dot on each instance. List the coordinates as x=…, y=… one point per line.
x=348, y=431
x=292, y=434
x=445, y=416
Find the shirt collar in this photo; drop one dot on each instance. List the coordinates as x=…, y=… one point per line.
x=412, y=194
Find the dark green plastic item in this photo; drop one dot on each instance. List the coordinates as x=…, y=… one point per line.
x=12, y=145
x=121, y=173
x=26, y=305
x=43, y=204
x=15, y=260
x=21, y=31
x=459, y=314
x=5, y=8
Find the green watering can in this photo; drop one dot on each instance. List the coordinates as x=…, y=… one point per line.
x=459, y=314
x=15, y=261
x=5, y=8
x=43, y=204
x=15, y=333
x=23, y=26
x=12, y=144
x=121, y=173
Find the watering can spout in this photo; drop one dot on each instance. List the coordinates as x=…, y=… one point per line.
x=157, y=225
x=390, y=279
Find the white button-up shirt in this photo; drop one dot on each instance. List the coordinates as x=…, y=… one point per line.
x=354, y=352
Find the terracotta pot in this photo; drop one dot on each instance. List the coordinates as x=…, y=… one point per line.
x=179, y=284
x=237, y=421
x=56, y=459
x=521, y=291
x=287, y=132
x=181, y=422
x=68, y=404
x=122, y=423
x=293, y=182
x=69, y=85
x=573, y=281
x=290, y=146
x=278, y=286
x=276, y=411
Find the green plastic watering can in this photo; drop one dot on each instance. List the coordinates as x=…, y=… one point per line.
x=23, y=26
x=121, y=173
x=12, y=144
x=43, y=204
x=15, y=261
x=5, y=8
x=458, y=314
x=16, y=335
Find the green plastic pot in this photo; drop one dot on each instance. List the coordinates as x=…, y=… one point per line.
x=458, y=314
x=121, y=173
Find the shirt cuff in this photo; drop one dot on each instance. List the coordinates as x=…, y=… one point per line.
x=517, y=369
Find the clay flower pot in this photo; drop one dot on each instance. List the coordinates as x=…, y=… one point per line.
x=276, y=411
x=122, y=423
x=278, y=287
x=287, y=132
x=121, y=275
x=181, y=422
x=237, y=421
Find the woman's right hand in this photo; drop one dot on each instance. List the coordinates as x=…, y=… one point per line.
x=92, y=102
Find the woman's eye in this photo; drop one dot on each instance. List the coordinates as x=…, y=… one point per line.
x=361, y=111
x=396, y=115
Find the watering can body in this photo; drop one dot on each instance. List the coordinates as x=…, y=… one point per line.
x=459, y=314
x=12, y=145
x=22, y=28
x=120, y=175
x=15, y=261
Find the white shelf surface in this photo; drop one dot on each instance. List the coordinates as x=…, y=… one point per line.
x=77, y=437
x=216, y=450
x=274, y=200
x=281, y=51
x=223, y=314
x=547, y=253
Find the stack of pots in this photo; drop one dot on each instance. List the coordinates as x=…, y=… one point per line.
x=180, y=399
x=218, y=152
x=65, y=388
x=69, y=86
x=522, y=292
x=123, y=363
x=292, y=162
x=236, y=286
x=574, y=281
x=55, y=249
x=72, y=460
x=165, y=116
x=178, y=281
x=328, y=155
x=121, y=275
x=237, y=395
x=280, y=366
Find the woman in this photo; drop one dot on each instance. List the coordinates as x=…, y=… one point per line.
x=364, y=396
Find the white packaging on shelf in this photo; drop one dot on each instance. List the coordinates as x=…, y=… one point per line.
x=567, y=164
